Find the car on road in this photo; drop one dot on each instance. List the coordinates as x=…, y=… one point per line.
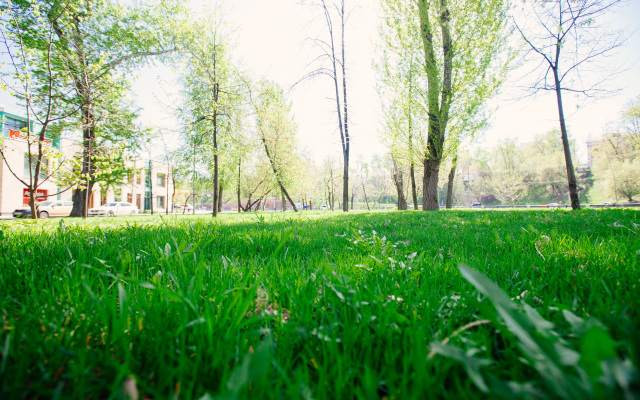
x=112, y=209
x=553, y=205
x=46, y=209
x=324, y=207
x=609, y=203
x=22, y=213
x=476, y=204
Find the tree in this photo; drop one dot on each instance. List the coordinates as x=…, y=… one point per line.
x=334, y=53
x=33, y=82
x=211, y=91
x=92, y=44
x=276, y=131
x=398, y=180
x=616, y=156
x=400, y=82
x=462, y=55
x=628, y=179
x=462, y=66
x=570, y=43
x=630, y=122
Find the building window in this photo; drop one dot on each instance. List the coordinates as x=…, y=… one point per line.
x=138, y=175
x=161, y=180
x=160, y=201
x=59, y=194
x=129, y=198
x=117, y=195
x=30, y=167
x=13, y=125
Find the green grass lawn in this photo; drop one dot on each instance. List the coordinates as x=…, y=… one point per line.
x=322, y=305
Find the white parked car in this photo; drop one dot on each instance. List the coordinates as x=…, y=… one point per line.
x=46, y=209
x=111, y=209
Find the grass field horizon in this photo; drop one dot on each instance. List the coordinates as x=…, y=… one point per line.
x=322, y=305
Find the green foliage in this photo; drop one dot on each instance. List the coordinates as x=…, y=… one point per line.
x=531, y=173
x=277, y=132
x=616, y=164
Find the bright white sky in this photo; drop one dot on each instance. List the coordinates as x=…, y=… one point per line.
x=270, y=41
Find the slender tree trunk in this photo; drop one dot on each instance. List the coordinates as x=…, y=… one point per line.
x=347, y=139
x=293, y=205
x=166, y=206
x=571, y=177
x=412, y=172
x=414, y=193
x=219, y=204
x=345, y=183
x=364, y=191
x=398, y=180
x=239, y=204
x=275, y=173
x=342, y=109
x=216, y=177
x=173, y=192
x=150, y=187
x=452, y=175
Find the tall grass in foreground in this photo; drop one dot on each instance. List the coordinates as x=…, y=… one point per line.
x=313, y=306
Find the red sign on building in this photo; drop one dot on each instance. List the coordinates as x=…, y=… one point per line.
x=41, y=195
x=15, y=134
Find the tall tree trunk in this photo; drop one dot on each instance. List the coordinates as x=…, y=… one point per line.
x=220, y=198
x=345, y=183
x=412, y=169
x=80, y=196
x=430, y=185
x=439, y=97
x=32, y=204
x=216, y=178
x=452, y=175
x=342, y=109
x=414, y=193
x=347, y=140
x=571, y=177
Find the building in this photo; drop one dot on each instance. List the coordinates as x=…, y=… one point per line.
x=148, y=187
